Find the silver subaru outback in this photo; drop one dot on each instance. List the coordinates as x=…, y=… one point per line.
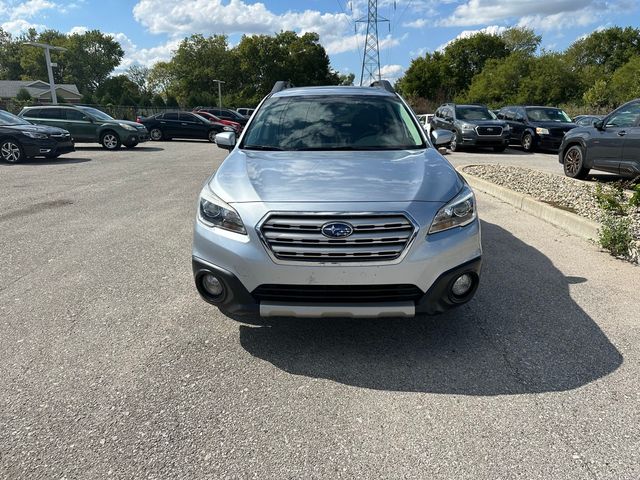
x=334, y=203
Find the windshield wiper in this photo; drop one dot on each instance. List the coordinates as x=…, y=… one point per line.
x=262, y=147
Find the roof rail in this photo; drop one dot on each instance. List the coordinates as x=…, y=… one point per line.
x=386, y=84
x=281, y=85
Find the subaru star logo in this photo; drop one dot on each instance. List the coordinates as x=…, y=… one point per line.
x=337, y=230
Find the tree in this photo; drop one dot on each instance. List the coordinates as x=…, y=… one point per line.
x=608, y=49
x=23, y=95
x=139, y=75
x=346, y=79
x=500, y=80
x=550, y=81
x=161, y=77
x=625, y=84
x=521, y=39
x=425, y=78
x=158, y=101
x=121, y=88
x=172, y=102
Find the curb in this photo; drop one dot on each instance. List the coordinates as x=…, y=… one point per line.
x=567, y=221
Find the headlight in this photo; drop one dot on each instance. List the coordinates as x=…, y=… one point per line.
x=228, y=129
x=466, y=126
x=36, y=135
x=213, y=212
x=507, y=128
x=458, y=212
x=126, y=126
x=542, y=131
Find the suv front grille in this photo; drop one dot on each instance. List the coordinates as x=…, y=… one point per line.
x=337, y=293
x=489, y=131
x=375, y=237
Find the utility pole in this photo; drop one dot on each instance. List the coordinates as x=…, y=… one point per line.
x=219, y=82
x=371, y=59
x=47, y=56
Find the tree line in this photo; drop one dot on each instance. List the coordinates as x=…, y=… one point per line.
x=248, y=69
x=595, y=73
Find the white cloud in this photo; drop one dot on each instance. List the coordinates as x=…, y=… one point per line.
x=544, y=15
x=143, y=56
x=418, y=23
x=80, y=29
x=391, y=72
x=30, y=9
x=16, y=27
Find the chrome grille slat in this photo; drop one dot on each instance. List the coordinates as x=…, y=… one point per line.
x=375, y=237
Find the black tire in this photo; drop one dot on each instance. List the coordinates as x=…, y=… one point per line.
x=211, y=136
x=573, y=162
x=453, y=146
x=131, y=145
x=110, y=140
x=156, y=134
x=499, y=149
x=527, y=142
x=11, y=151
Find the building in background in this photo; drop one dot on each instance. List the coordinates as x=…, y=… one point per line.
x=39, y=91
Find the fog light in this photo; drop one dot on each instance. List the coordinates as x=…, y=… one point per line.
x=212, y=285
x=462, y=285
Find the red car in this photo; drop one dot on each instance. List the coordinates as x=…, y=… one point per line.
x=213, y=118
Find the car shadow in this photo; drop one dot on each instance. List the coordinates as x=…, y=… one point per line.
x=47, y=161
x=522, y=333
x=122, y=149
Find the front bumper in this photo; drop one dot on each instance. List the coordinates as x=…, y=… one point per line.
x=47, y=147
x=548, y=142
x=472, y=139
x=138, y=137
x=430, y=264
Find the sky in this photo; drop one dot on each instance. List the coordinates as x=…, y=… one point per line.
x=149, y=30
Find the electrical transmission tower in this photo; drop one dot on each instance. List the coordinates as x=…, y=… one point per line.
x=371, y=59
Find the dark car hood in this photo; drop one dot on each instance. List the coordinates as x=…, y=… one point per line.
x=37, y=128
x=486, y=123
x=360, y=176
x=564, y=126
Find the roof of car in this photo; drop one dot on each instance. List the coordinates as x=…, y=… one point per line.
x=59, y=105
x=332, y=90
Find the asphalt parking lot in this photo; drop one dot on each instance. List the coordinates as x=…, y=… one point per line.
x=112, y=366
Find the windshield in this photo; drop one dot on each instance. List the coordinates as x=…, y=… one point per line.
x=337, y=122
x=200, y=117
x=538, y=114
x=474, y=113
x=95, y=113
x=7, y=118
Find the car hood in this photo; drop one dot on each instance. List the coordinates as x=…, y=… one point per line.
x=565, y=127
x=364, y=176
x=126, y=122
x=486, y=123
x=38, y=129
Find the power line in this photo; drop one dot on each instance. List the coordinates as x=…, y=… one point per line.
x=371, y=57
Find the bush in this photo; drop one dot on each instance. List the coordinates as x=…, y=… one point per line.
x=23, y=95
x=616, y=235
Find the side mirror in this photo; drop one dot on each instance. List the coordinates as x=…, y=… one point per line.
x=442, y=137
x=226, y=140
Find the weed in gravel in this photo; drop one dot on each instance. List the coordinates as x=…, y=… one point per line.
x=617, y=235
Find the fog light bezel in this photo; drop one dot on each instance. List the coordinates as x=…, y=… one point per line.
x=208, y=295
x=472, y=289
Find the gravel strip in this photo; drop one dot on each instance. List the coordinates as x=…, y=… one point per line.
x=563, y=192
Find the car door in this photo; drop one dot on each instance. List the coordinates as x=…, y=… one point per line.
x=605, y=146
x=170, y=124
x=192, y=126
x=447, y=119
x=630, y=161
x=80, y=125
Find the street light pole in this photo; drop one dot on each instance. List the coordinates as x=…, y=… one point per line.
x=219, y=82
x=47, y=56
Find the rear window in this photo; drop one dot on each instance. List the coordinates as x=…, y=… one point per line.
x=474, y=113
x=538, y=114
x=341, y=122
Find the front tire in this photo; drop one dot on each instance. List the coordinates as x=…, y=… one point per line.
x=454, y=147
x=131, y=145
x=110, y=140
x=11, y=151
x=527, y=142
x=212, y=136
x=573, y=163
x=156, y=134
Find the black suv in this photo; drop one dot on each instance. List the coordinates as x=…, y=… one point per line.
x=20, y=139
x=611, y=145
x=536, y=127
x=473, y=126
x=225, y=114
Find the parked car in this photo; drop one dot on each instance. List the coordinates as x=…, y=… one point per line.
x=425, y=121
x=230, y=123
x=166, y=126
x=611, y=144
x=247, y=112
x=88, y=125
x=536, y=127
x=20, y=139
x=586, y=120
x=342, y=186
x=225, y=114
x=473, y=126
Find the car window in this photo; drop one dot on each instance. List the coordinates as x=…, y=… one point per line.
x=474, y=113
x=171, y=116
x=52, y=113
x=32, y=113
x=333, y=123
x=625, y=117
x=95, y=113
x=546, y=114
x=188, y=117
x=75, y=115
x=510, y=114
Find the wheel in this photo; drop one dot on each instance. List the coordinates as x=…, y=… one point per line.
x=131, y=145
x=212, y=136
x=156, y=134
x=499, y=149
x=11, y=151
x=110, y=140
x=573, y=162
x=454, y=147
x=527, y=142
